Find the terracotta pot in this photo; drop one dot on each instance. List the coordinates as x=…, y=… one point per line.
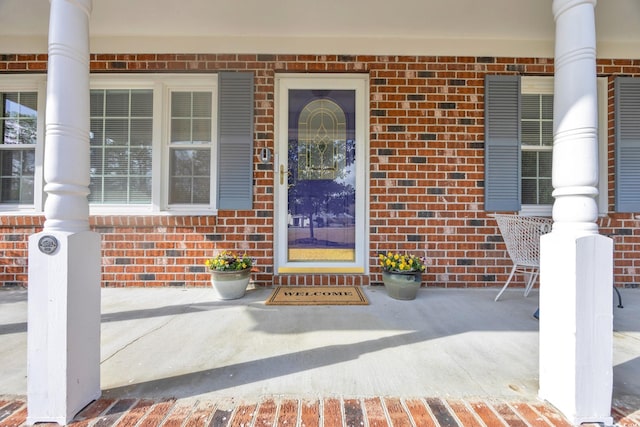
x=403, y=286
x=230, y=284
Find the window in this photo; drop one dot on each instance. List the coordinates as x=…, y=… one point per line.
x=519, y=144
x=19, y=117
x=537, y=143
x=154, y=143
x=21, y=126
x=190, y=147
x=120, y=146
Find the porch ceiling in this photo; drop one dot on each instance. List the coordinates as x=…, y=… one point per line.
x=430, y=27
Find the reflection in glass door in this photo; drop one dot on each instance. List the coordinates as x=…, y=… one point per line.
x=320, y=212
x=321, y=181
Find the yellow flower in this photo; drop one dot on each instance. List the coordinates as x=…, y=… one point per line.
x=401, y=262
x=228, y=260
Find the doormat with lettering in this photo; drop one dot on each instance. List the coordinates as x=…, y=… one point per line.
x=317, y=295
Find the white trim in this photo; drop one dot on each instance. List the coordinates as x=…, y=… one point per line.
x=38, y=179
x=129, y=210
x=536, y=210
x=360, y=84
x=190, y=85
x=157, y=154
x=537, y=85
x=422, y=46
x=323, y=45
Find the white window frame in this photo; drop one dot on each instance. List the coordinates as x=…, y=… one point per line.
x=544, y=85
x=38, y=84
x=189, y=85
x=162, y=85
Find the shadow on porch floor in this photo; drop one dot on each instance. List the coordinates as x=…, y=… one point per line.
x=448, y=347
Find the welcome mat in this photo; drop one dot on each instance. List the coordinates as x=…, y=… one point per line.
x=317, y=295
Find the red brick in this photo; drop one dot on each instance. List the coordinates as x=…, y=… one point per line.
x=16, y=419
x=243, y=415
x=393, y=79
x=266, y=414
x=332, y=412
x=462, y=412
x=179, y=413
x=114, y=413
x=509, y=415
x=94, y=409
x=398, y=416
x=486, y=414
x=530, y=415
x=552, y=415
x=420, y=414
x=288, y=413
x=626, y=416
x=157, y=414
x=200, y=415
x=133, y=416
x=310, y=414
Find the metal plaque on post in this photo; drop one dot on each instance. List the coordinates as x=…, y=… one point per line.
x=48, y=244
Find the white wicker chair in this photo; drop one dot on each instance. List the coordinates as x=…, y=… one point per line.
x=522, y=234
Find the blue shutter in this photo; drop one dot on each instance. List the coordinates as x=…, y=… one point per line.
x=235, y=140
x=627, y=152
x=502, y=143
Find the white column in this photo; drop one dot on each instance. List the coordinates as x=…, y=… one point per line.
x=63, y=355
x=576, y=263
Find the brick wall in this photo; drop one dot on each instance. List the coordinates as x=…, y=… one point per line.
x=425, y=181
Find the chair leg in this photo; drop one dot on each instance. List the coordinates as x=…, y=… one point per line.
x=513, y=271
x=619, y=297
x=533, y=275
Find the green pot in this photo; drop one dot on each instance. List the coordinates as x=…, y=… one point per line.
x=402, y=286
x=231, y=284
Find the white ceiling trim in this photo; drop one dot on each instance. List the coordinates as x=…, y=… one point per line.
x=513, y=28
x=322, y=46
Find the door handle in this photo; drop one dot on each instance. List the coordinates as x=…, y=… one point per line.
x=282, y=174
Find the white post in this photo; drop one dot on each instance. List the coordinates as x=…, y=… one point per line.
x=63, y=355
x=576, y=263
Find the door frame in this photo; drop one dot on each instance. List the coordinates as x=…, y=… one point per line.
x=360, y=84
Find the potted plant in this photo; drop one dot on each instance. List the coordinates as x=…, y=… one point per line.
x=401, y=274
x=230, y=274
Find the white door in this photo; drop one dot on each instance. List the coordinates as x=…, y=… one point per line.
x=321, y=175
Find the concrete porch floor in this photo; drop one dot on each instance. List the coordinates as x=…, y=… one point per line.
x=453, y=346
